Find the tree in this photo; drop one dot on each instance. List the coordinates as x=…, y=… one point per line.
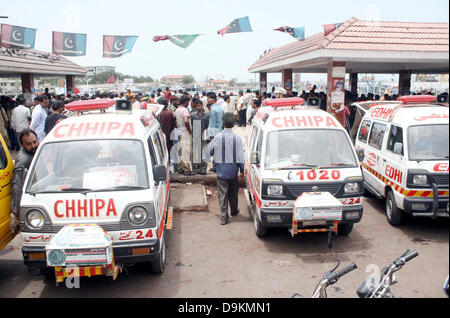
x=233, y=82
x=188, y=79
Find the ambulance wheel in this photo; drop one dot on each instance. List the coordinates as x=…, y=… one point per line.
x=345, y=229
x=260, y=230
x=393, y=214
x=159, y=263
x=47, y=272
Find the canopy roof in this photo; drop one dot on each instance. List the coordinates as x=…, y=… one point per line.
x=366, y=47
x=14, y=62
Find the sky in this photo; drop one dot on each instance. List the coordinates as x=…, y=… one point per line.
x=211, y=54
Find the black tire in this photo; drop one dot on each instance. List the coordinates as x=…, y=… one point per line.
x=47, y=272
x=367, y=193
x=393, y=213
x=260, y=230
x=158, y=264
x=345, y=229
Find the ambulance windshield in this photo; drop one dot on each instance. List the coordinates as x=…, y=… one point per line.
x=77, y=166
x=306, y=148
x=428, y=142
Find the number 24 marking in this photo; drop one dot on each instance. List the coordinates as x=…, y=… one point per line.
x=140, y=234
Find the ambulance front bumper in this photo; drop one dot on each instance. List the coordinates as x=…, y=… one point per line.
x=427, y=207
x=124, y=253
x=283, y=217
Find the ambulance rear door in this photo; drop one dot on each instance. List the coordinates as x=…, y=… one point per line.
x=375, y=145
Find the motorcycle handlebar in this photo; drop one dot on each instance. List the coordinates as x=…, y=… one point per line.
x=346, y=270
x=410, y=256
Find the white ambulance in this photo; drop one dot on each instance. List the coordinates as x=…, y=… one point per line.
x=293, y=150
x=104, y=169
x=406, y=161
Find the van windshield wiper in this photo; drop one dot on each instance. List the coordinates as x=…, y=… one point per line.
x=296, y=165
x=74, y=189
x=334, y=165
x=116, y=188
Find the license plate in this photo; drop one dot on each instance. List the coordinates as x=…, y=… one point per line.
x=313, y=223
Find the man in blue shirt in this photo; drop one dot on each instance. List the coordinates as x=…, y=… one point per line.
x=215, y=116
x=215, y=120
x=228, y=152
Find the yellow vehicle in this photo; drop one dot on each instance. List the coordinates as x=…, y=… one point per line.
x=6, y=175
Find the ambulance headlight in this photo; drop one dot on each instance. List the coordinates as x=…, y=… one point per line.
x=351, y=187
x=276, y=189
x=35, y=219
x=137, y=215
x=420, y=179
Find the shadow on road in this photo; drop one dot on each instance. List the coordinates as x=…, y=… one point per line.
x=134, y=281
x=419, y=229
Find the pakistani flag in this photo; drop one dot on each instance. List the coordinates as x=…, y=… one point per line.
x=17, y=37
x=183, y=40
x=298, y=33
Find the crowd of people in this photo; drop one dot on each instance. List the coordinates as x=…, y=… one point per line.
x=197, y=128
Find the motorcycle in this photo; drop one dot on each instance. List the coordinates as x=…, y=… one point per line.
x=329, y=278
x=446, y=287
x=380, y=288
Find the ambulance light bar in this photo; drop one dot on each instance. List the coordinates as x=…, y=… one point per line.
x=90, y=104
x=410, y=99
x=283, y=102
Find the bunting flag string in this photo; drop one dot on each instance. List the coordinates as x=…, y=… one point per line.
x=17, y=37
x=298, y=33
x=117, y=45
x=114, y=46
x=182, y=40
x=69, y=44
x=237, y=25
x=328, y=28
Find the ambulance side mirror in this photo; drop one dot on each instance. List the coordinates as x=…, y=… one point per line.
x=360, y=154
x=398, y=148
x=160, y=173
x=255, y=158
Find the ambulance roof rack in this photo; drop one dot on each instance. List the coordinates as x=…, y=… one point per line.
x=283, y=102
x=414, y=99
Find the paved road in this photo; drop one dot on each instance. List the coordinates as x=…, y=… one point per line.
x=206, y=259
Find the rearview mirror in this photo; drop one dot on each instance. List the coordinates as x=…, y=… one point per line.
x=255, y=158
x=160, y=173
x=360, y=154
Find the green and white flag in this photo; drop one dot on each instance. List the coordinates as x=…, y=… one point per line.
x=183, y=40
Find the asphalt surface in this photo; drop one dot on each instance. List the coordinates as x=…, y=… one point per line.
x=206, y=259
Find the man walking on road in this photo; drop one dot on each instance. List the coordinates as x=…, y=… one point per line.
x=228, y=153
x=29, y=141
x=183, y=122
x=39, y=116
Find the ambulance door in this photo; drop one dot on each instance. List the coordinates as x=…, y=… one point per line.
x=157, y=155
x=6, y=174
x=375, y=143
x=257, y=169
x=370, y=158
x=394, y=158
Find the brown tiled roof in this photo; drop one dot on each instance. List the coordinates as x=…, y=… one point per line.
x=173, y=76
x=370, y=36
x=36, y=62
